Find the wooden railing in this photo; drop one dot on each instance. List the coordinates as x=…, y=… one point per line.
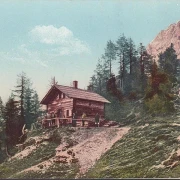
x=51, y=122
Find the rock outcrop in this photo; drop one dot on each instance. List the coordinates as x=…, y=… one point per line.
x=164, y=39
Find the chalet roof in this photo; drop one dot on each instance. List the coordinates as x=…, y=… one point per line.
x=72, y=92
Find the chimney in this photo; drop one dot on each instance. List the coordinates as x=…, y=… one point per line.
x=75, y=84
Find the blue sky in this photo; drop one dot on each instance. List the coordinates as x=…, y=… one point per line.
x=65, y=38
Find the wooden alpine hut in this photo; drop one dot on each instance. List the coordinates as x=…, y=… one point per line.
x=62, y=101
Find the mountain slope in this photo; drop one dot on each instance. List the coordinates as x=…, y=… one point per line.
x=150, y=149
x=60, y=153
x=164, y=39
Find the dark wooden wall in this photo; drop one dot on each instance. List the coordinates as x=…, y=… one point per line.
x=64, y=103
x=89, y=107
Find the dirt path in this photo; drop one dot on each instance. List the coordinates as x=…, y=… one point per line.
x=91, y=149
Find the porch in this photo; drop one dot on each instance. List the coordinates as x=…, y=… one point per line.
x=59, y=122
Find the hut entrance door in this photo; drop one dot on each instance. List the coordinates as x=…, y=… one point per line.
x=60, y=113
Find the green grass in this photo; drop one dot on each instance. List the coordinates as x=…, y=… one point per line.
x=9, y=169
x=55, y=171
x=131, y=157
x=135, y=154
x=42, y=153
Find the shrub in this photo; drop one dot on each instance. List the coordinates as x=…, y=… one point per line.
x=159, y=105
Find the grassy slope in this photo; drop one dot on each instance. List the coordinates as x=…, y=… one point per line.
x=9, y=169
x=135, y=154
x=131, y=157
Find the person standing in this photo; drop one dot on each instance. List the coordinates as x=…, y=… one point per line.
x=97, y=119
x=74, y=119
x=83, y=117
x=53, y=118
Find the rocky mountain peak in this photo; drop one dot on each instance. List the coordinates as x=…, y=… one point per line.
x=164, y=39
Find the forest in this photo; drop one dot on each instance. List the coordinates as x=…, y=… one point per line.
x=21, y=110
x=153, y=83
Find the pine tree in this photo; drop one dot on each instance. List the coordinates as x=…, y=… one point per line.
x=145, y=62
x=36, y=111
x=20, y=90
x=25, y=94
x=112, y=88
x=99, y=76
x=169, y=63
x=131, y=60
x=110, y=54
x=122, y=53
x=2, y=132
x=28, y=107
x=158, y=97
x=1, y=110
x=132, y=53
x=12, y=118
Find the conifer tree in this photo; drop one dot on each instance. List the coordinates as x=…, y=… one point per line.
x=28, y=107
x=122, y=53
x=169, y=63
x=145, y=62
x=158, y=97
x=132, y=53
x=20, y=91
x=2, y=132
x=1, y=110
x=12, y=118
x=110, y=54
x=36, y=111
x=27, y=98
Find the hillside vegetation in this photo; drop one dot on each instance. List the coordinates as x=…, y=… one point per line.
x=60, y=153
x=150, y=149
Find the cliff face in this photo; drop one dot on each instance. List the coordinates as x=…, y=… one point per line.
x=164, y=39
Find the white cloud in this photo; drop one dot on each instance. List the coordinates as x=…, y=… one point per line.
x=63, y=38
x=24, y=56
x=61, y=42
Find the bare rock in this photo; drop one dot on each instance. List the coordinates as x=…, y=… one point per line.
x=70, y=152
x=64, y=149
x=164, y=39
x=74, y=160
x=40, y=166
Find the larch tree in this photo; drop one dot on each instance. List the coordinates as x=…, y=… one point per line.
x=36, y=110
x=19, y=93
x=12, y=119
x=1, y=110
x=158, y=97
x=27, y=97
x=145, y=62
x=169, y=63
x=110, y=55
x=99, y=76
x=28, y=107
x=132, y=53
x=2, y=132
x=122, y=53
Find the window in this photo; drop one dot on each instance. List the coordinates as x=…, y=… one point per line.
x=63, y=95
x=89, y=103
